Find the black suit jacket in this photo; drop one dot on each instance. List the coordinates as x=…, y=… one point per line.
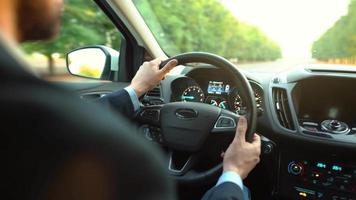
x=119, y=101
x=225, y=191
x=43, y=126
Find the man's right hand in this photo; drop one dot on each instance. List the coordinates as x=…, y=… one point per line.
x=241, y=156
x=149, y=75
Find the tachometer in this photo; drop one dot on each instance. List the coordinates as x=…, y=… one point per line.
x=193, y=94
x=258, y=98
x=239, y=106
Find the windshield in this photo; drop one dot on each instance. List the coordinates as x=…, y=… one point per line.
x=258, y=35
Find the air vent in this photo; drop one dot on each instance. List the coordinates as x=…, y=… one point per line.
x=153, y=97
x=280, y=100
x=331, y=71
x=156, y=92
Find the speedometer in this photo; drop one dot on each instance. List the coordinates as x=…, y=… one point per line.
x=193, y=94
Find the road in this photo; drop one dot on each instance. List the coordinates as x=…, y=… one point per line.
x=274, y=67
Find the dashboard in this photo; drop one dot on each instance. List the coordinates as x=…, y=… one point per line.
x=308, y=123
x=215, y=88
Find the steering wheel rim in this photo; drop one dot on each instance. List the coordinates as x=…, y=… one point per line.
x=246, y=92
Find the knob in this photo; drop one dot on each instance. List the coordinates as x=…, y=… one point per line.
x=267, y=148
x=335, y=124
x=296, y=169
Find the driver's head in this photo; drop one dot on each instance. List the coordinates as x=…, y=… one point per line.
x=25, y=20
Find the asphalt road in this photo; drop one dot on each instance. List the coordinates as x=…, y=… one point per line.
x=274, y=67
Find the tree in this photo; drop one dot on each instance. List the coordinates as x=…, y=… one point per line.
x=205, y=25
x=339, y=41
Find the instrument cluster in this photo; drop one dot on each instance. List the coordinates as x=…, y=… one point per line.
x=214, y=92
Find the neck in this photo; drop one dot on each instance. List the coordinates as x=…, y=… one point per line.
x=8, y=21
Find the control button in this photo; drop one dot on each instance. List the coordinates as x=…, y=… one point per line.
x=154, y=134
x=335, y=127
x=267, y=148
x=334, y=124
x=330, y=179
x=225, y=122
x=150, y=114
x=296, y=169
x=310, y=124
x=313, y=133
x=341, y=187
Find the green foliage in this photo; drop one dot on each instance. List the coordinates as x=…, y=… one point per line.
x=205, y=25
x=179, y=25
x=340, y=40
x=83, y=23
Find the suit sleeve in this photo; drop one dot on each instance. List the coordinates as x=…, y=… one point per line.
x=119, y=101
x=224, y=191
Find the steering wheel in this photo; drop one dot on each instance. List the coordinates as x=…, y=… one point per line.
x=185, y=126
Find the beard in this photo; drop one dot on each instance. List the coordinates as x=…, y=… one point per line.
x=39, y=19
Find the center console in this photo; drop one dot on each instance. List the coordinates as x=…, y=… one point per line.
x=326, y=108
x=327, y=178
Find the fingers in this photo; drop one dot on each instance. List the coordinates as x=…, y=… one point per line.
x=256, y=142
x=256, y=139
x=241, y=129
x=169, y=66
x=156, y=62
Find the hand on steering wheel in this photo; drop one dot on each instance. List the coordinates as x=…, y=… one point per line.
x=241, y=156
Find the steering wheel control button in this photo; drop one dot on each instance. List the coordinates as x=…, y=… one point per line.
x=150, y=114
x=154, y=134
x=335, y=127
x=225, y=122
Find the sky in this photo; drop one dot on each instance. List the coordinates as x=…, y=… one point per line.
x=293, y=24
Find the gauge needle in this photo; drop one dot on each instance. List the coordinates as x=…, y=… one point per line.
x=188, y=97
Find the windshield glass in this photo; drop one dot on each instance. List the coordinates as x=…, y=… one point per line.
x=259, y=36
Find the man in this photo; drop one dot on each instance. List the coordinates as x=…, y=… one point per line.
x=53, y=162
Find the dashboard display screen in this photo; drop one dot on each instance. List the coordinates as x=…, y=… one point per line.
x=218, y=87
x=323, y=99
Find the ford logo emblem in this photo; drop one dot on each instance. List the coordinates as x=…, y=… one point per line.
x=186, y=113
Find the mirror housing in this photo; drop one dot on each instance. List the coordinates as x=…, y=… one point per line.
x=94, y=62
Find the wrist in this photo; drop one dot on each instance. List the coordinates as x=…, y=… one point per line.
x=235, y=170
x=138, y=90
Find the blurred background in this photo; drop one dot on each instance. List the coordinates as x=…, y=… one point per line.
x=262, y=36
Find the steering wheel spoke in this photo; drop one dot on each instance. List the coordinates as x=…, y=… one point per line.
x=226, y=122
x=179, y=165
x=150, y=115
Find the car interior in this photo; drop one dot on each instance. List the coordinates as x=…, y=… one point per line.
x=305, y=116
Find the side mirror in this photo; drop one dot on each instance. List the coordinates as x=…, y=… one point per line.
x=95, y=62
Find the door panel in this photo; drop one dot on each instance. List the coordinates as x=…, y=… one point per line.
x=91, y=90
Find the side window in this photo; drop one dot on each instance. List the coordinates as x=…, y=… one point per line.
x=83, y=23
